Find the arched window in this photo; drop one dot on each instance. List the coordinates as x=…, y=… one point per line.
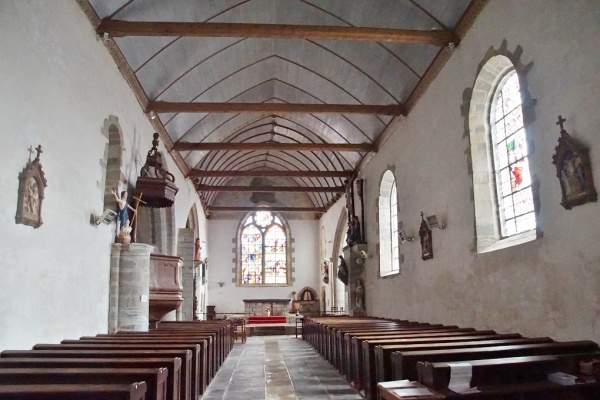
x=389, y=252
x=263, y=250
x=504, y=201
x=511, y=162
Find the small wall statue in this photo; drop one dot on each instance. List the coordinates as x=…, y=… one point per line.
x=197, y=248
x=353, y=234
x=124, y=227
x=325, y=273
x=343, y=271
x=359, y=293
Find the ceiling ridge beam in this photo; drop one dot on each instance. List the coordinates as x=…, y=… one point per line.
x=196, y=173
x=266, y=189
x=211, y=209
x=275, y=146
x=204, y=107
x=119, y=28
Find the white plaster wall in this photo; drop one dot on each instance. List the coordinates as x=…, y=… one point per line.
x=547, y=287
x=221, y=241
x=58, y=85
x=330, y=221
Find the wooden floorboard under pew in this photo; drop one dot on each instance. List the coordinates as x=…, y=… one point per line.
x=382, y=370
x=155, y=378
x=194, y=376
x=180, y=391
x=133, y=391
x=354, y=353
x=404, y=364
x=211, y=353
x=366, y=374
x=198, y=345
x=104, y=359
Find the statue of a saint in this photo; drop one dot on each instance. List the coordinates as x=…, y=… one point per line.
x=343, y=271
x=325, y=273
x=124, y=228
x=359, y=292
x=197, y=249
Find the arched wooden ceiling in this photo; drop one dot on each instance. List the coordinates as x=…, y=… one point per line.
x=295, y=93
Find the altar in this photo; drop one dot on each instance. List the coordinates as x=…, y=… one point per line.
x=260, y=306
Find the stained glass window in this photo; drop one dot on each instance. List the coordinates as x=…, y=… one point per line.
x=511, y=164
x=263, y=250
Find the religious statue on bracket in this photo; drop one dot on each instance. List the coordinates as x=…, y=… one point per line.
x=343, y=271
x=125, y=225
x=353, y=234
x=426, y=239
x=359, y=293
x=573, y=170
x=32, y=183
x=325, y=273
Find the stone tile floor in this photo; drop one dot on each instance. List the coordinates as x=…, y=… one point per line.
x=277, y=367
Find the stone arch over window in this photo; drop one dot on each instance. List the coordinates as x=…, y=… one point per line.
x=389, y=249
x=264, y=250
x=505, y=192
x=307, y=293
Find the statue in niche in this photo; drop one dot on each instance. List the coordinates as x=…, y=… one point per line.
x=325, y=273
x=353, y=234
x=359, y=293
x=343, y=271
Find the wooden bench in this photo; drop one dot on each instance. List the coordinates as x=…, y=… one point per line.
x=198, y=345
x=155, y=378
x=133, y=391
x=176, y=388
x=404, y=363
x=172, y=365
x=355, y=359
x=382, y=368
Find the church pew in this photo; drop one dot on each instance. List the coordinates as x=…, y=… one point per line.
x=133, y=391
x=181, y=388
x=339, y=348
x=210, y=352
x=436, y=375
x=348, y=365
x=202, y=357
x=317, y=325
x=503, y=371
x=155, y=378
x=188, y=377
x=366, y=355
x=354, y=352
x=107, y=359
x=381, y=371
x=217, y=349
x=404, y=363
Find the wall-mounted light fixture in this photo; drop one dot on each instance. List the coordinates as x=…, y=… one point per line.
x=107, y=217
x=403, y=238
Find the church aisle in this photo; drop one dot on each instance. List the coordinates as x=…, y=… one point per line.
x=277, y=367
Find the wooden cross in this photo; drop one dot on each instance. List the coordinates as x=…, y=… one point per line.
x=560, y=122
x=138, y=200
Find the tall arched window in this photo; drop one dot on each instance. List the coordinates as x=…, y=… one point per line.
x=389, y=252
x=263, y=250
x=511, y=162
x=502, y=190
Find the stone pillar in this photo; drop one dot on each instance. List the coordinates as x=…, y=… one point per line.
x=185, y=250
x=132, y=262
x=356, y=271
x=113, y=291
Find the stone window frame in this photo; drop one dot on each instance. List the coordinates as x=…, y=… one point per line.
x=495, y=67
x=386, y=227
x=289, y=252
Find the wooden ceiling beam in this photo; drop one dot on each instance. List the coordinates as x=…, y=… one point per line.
x=211, y=209
x=198, y=107
x=275, y=146
x=265, y=189
x=196, y=173
x=119, y=28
